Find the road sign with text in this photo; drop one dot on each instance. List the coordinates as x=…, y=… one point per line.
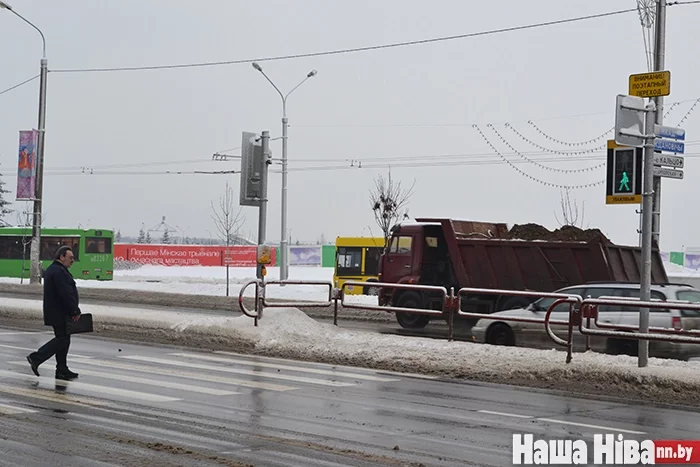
x=654, y=84
x=676, y=162
x=669, y=132
x=668, y=145
x=668, y=173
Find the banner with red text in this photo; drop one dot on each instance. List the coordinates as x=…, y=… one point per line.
x=188, y=255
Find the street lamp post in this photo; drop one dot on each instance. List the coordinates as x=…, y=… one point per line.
x=284, y=261
x=34, y=252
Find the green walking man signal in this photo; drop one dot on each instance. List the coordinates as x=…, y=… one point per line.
x=624, y=181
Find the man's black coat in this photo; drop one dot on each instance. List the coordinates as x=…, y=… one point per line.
x=60, y=295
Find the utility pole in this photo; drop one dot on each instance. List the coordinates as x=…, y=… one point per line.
x=647, y=200
x=651, y=199
x=262, y=209
x=659, y=64
x=35, y=247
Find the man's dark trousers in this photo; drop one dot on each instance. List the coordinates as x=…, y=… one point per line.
x=57, y=346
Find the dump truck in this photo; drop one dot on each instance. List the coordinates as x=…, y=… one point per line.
x=455, y=253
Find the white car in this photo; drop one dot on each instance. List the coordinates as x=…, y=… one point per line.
x=497, y=331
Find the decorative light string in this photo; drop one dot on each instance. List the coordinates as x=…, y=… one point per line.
x=688, y=112
x=554, y=151
x=585, y=169
x=587, y=185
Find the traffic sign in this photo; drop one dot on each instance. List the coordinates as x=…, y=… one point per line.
x=624, y=174
x=672, y=161
x=669, y=146
x=252, y=166
x=668, y=173
x=654, y=84
x=630, y=114
x=669, y=132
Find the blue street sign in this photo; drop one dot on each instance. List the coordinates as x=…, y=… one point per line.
x=669, y=146
x=669, y=132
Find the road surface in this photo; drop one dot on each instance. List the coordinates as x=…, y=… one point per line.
x=160, y=406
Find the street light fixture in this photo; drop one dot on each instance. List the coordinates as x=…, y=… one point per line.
x=34, y=254
x=284, y=261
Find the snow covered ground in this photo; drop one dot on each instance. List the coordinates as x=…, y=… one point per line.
x=210, y=280
x=203, y=280
x=289, y=333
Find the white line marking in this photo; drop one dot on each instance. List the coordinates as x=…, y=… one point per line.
x=159, y=383
x=12, y=410
x=13, y=333
x=596, y=427
x=188, y=375
x=32, y=350
x=284, y=367
x=333, y=365
x=237, y=371
x=505, y=414
x=52, y=395
x=92, y=387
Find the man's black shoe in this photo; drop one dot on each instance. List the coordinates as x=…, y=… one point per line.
x=35, y=367
x=66, y=374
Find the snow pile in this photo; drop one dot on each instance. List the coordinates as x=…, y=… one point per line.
x=289, y=333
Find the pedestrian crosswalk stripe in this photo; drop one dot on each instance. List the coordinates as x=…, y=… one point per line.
x=12, y=410
x=402, y=374
x=159, y=383
x=285, y=367
x=300, y=379
x=52, y=395
x=186, y=374
x=91, y=387
x=32, y=350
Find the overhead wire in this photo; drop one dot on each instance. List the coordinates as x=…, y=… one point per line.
x=11, y=88
x=348, y=50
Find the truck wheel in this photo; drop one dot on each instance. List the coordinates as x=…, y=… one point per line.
x=512, y=303
x=368, y=290
x=500, y=334
x=411, y=320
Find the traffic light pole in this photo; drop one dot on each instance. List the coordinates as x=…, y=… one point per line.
x=659, y=64
x=262, y=210
x=647, y=201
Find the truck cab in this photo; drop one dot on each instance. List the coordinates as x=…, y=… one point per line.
x=416, y=254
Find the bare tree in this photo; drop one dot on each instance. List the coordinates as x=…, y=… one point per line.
x=388, y=200
x=227, y=222
x=571, y=215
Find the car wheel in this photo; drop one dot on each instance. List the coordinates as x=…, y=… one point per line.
x=500, y=334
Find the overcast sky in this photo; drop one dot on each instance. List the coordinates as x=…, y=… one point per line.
x=407, y=107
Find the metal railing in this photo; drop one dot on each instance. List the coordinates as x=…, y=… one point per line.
x=579, y=310
x=658, y=334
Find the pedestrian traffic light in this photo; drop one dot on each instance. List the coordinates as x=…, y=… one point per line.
x=624, y=171
x=624, y=180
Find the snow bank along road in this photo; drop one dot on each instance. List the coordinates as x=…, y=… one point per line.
x=290, y=333
x=201, y=302
x=157, y=406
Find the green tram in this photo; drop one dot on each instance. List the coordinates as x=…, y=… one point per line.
x=93, y=251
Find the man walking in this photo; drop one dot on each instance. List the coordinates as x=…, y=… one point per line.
x=60, y=304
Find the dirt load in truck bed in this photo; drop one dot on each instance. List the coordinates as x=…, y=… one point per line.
x=567, y=233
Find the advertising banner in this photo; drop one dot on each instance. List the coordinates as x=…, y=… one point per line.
x=188, y=255
x=305, y=256
x=26, y=165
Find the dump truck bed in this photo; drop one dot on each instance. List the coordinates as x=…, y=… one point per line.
x=482, y=259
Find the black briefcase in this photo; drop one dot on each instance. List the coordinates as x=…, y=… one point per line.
x=84, y=324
